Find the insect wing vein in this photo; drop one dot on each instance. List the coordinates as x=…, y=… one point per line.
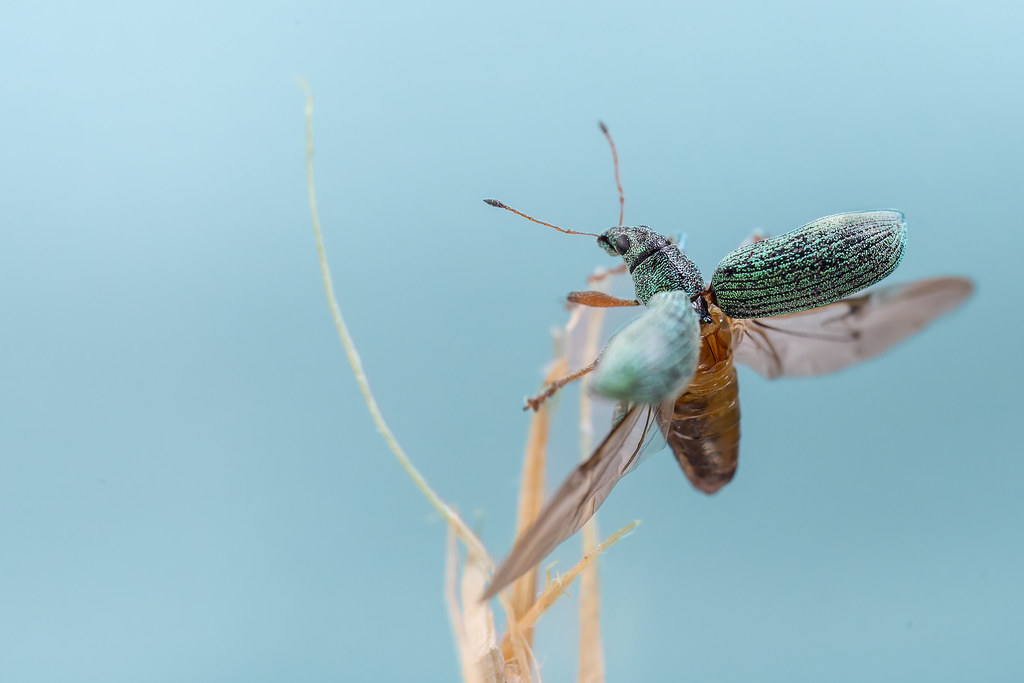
x=575, y=501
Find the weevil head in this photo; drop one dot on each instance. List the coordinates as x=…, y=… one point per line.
x=633, y=244
x=654, y=261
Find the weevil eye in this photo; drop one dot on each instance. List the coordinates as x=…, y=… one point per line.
x=622, y=244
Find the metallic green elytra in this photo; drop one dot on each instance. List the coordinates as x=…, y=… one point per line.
x=656, y=264
x=814, y=265
x=654, y=357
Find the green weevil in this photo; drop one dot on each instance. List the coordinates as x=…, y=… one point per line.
x=673, y=366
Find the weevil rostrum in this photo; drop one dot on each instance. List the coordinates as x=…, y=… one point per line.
x=785, y=306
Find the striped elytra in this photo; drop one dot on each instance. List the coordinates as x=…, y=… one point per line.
x=814, y=265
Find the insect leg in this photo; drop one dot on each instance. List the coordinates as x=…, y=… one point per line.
x=535, y=402
x=599, y=299
x=606, y=272
x=588, y=298
x=758, y=235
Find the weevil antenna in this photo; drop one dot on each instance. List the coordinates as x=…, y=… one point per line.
x=501, y=205
x=615, y=163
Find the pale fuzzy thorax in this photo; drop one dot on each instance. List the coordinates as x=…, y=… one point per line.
x=653, y=357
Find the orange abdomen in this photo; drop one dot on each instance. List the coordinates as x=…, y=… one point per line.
x=705, y=430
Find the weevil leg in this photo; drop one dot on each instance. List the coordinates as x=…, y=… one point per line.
x=599, y=299
x=606, y=272
x=758, y=235
x=535, y=402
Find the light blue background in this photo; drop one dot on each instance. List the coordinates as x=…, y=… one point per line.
x=190, y=486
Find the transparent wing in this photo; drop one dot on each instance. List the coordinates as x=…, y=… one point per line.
x=651, y=439
x=828, y=338
x=579, y=496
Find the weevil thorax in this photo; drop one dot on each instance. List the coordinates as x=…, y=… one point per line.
x=655, y=263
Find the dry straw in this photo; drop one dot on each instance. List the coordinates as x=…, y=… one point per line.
x=484, y=654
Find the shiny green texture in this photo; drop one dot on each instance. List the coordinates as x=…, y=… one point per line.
x=656, y=264
x=653, y=357
x=814, y=265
